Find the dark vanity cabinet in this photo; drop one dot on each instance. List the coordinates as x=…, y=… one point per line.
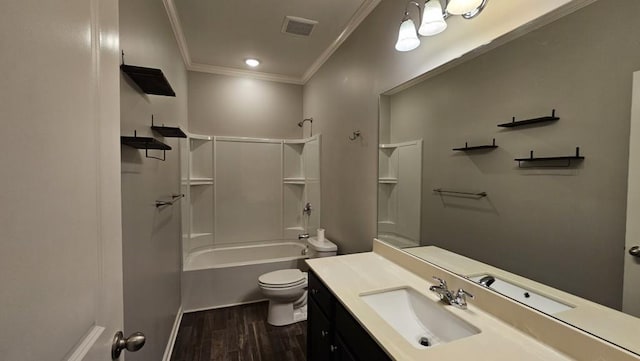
x=332, y=333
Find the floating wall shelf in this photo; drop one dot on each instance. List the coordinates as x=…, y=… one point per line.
x=548, y=162
x=520, y=123
x=477, y=147
x=145, y=143
x=150, y=80
x=168, y=132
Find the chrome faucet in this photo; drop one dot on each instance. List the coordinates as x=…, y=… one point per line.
x=457, y=299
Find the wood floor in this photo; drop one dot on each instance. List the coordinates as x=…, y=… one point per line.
x=239, y=333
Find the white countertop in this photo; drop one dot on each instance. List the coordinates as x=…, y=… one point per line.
x=605, y=322
x=350, y=276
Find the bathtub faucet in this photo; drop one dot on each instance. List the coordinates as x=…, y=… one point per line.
x=307, y=209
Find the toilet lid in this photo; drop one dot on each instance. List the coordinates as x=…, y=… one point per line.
x=285, y=277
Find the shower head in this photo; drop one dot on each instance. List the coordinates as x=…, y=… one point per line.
x=310, y=120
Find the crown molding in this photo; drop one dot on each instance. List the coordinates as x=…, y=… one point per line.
x=174, y=20
x=363, y=11
x=205, y=68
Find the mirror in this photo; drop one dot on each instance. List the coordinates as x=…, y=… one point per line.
x=550, y=228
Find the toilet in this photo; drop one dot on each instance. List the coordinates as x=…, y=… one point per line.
x=286, y=289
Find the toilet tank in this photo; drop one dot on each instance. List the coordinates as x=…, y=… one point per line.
x=323, y=248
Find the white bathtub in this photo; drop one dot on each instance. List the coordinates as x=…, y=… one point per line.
x=225, y=276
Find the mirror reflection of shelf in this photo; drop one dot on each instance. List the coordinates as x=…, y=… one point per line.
x=200, y=181
x=519, y=123
x=388, y=180
x=298, y=181
x=297, y=229
x=399, y=189
x=467, y=148
x=387, y=222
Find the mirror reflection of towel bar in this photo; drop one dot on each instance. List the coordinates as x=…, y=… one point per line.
x=174, y=198
x=473, y=194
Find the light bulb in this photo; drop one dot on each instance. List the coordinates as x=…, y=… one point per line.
x=252, y=62
x=407, y=36
x=432, y=19
x=459, y=7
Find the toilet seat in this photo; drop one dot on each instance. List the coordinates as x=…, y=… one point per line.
x=283, y=279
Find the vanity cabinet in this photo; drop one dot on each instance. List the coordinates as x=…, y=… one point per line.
x=332, y=333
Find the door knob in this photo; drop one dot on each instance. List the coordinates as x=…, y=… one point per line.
x=133, y=343
x=635, y=251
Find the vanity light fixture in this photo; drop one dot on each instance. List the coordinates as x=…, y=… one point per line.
x=459, y=7
x=252, y=62
x=433, y=19
x=407, y=36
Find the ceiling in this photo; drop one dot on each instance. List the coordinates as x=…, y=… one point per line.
x=216, y=36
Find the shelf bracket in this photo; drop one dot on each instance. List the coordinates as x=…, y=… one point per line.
x=164, y=155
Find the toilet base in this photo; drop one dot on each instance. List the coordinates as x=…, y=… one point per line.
x=282, y=314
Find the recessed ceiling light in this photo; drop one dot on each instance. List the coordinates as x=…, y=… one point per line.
x=252, y=62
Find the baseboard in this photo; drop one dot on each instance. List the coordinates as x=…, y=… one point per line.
x=172, y=337
x=223, y=306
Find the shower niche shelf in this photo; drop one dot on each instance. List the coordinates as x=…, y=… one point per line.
x=214, y=178
x=301, y=185
x=197, y=185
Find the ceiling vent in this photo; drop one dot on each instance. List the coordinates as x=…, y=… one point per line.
x=298, y=26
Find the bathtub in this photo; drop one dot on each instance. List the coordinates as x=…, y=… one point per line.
x=226, y=276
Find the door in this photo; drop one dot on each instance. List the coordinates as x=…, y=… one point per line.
x=60, y=226
x=631, y=293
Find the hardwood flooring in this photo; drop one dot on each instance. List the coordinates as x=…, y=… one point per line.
x=239, y=333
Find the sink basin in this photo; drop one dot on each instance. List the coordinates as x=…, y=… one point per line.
x=526, y=296
x=421, y=321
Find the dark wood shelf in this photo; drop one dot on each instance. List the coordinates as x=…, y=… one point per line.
x=169, y=132
x=143, y=143
x=520, y=123
x=150, y=80
x=568, y=159
x=467, y=148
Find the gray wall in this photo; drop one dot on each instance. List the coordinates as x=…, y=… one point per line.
x=343, y=96
x=562, y=227
x=151, y=237
x=236, y=106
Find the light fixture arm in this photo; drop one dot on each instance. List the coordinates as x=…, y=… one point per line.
x=472, y=14
x=406, y=11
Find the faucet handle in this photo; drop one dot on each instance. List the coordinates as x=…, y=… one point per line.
x=463, y=294
x=443, y=283
x=460, y=299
